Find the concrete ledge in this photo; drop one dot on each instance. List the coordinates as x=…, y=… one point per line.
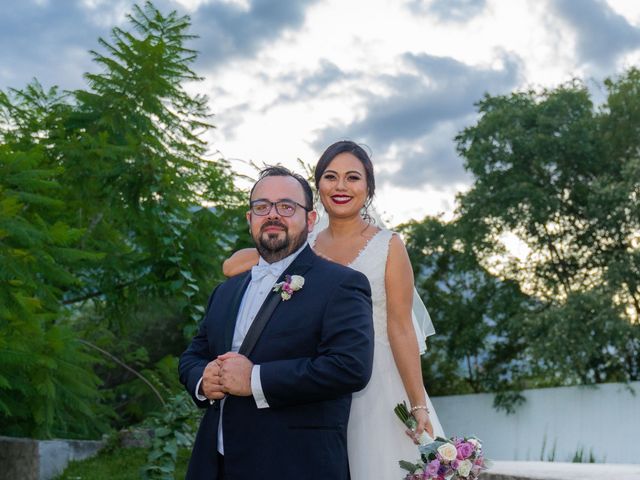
x=506, y=470
x=28, y=459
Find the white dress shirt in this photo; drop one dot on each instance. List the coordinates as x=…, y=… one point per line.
x=253, y=298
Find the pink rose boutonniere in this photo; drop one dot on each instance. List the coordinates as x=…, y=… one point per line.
x=291, y=283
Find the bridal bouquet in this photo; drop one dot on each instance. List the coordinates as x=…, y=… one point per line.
x=455, y=458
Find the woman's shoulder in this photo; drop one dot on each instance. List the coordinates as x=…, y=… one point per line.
x=382, y=238
x=397, y=255
x=336, y=274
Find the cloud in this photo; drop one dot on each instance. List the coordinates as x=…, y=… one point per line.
x=448, y=10
x=324, y=82
x=51, y=40
x=47, y=41
x=230, y=30
x=414, y=126
x=301, y=86
x=602, y=34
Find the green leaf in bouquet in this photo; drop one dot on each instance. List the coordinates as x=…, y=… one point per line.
x=429, y=457
x=408, y=466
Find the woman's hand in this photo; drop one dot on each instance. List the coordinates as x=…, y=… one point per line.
x=424, y=425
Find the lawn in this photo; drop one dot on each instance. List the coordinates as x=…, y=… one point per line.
x=119, y=464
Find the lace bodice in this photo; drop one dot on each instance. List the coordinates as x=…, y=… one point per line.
x=372, y=261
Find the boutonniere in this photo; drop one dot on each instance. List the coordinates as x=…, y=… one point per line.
x=291, y=283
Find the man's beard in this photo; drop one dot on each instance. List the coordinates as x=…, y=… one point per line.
x=273, y=248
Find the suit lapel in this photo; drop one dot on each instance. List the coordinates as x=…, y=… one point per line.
x=230, y=324
x=299, y=266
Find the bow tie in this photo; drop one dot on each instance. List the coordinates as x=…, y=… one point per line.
x=258, y=272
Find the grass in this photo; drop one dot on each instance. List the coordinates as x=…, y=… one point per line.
x=119, y=464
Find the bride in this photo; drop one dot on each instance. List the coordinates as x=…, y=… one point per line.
x=376, y=438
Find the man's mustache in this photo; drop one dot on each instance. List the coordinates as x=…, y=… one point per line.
x=272, y=223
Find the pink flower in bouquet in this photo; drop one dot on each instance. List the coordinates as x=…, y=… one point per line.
x=464, y=449
x=475, y=444
x=455, y=463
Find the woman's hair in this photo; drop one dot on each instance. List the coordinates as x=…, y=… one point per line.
x=347, y=146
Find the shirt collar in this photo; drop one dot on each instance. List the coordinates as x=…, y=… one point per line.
x=282, y=265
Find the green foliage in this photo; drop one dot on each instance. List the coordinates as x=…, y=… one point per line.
x=132, y=144
x=580, y=456
x=473, y=311
x=551, y=456
x=113, y=218
x=174, y=428
x=118, y=464
x=563, y=177
x=558, y=174
x=45, y=377
x=135, y=399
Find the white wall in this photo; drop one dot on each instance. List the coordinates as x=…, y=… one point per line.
x=604, y=419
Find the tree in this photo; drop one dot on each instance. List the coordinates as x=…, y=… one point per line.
x=48, y=387
x=113, y=208
x=550, y=169
x=132, y=146
x=563, y=177
x=474, y=312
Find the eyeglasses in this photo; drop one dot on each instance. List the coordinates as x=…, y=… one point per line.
x=285, y=208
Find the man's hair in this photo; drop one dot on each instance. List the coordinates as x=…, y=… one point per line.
x=280, y=171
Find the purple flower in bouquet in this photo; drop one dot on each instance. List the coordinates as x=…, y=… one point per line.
x=456, y=458
x=465, y=449
x=432, y=468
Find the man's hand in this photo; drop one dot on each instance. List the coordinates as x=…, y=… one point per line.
x=235, y=374
x=211, y=385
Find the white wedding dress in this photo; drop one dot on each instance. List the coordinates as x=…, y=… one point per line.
x=376, y=437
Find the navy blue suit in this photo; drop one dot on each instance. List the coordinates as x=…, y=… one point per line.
x=315, y=350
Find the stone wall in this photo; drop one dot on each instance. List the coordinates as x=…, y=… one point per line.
x=18, y=459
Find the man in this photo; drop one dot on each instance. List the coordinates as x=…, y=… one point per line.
x=275, y=367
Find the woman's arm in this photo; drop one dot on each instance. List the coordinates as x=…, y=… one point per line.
x=402, y=335
x=240, y=261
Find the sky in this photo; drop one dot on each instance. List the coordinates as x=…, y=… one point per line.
x=286, y=78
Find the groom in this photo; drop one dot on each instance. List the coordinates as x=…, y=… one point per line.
x=275, y=369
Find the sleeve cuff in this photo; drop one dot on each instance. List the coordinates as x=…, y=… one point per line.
x=256, y=388
x=202, y=398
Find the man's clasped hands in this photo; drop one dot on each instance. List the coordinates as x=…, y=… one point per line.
x=229, y=374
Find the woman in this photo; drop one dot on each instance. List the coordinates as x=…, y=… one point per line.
x=376, y=441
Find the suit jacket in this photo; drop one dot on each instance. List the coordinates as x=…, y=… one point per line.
x=315, y=350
